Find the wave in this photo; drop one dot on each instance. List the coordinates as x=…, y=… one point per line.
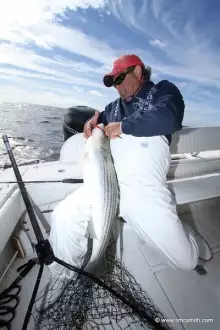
x=21, y=121
x=45, y=122
x=26, y=155
x=21, y=138
x=30, y=162
x=55, y=117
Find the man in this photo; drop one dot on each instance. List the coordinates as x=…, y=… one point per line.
x=164, y=114
x=155, y=112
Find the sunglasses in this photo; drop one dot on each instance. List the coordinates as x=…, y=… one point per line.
x=121, y=77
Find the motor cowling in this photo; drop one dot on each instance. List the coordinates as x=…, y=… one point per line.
x=74, y=119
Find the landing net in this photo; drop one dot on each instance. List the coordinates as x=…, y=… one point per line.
x=112, y=300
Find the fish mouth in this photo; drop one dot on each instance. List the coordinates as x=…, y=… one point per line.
x=102, y=129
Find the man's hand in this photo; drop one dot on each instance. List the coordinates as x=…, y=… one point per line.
x=88, y=127
x=113, y=130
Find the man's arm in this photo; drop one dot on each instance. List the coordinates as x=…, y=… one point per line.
x=163, y=118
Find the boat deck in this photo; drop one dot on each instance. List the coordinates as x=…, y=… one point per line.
x=179, y=294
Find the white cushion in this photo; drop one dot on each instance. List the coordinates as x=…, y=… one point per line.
x=195, y=140
x=195, y=189
x=184, y=168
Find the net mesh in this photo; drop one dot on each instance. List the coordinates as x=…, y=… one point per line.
x=111, y=299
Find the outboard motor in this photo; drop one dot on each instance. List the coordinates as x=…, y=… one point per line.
x=74, y=119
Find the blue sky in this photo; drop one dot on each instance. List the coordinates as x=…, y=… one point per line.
x=55, y=52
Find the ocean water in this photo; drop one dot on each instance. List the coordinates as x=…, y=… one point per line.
x=34, y=132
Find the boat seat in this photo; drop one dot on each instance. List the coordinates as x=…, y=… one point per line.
x=195, y=140
x=196, y=185
x=194, y=164
x=194, y=151
x=195, y=189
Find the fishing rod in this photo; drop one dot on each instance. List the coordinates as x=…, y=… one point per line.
x=43, y=247
x=46, y=181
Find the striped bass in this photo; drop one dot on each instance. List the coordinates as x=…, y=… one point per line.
x=93, y=208
x=102, y=189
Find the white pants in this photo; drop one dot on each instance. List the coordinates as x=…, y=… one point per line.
x=146, y=203
x=69, y=227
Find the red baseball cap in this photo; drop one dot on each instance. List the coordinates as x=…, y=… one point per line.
x=120, y=65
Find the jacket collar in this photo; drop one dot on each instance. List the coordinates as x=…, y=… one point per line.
x=143, y=89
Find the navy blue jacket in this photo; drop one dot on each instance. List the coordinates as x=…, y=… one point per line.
x=157, y=109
